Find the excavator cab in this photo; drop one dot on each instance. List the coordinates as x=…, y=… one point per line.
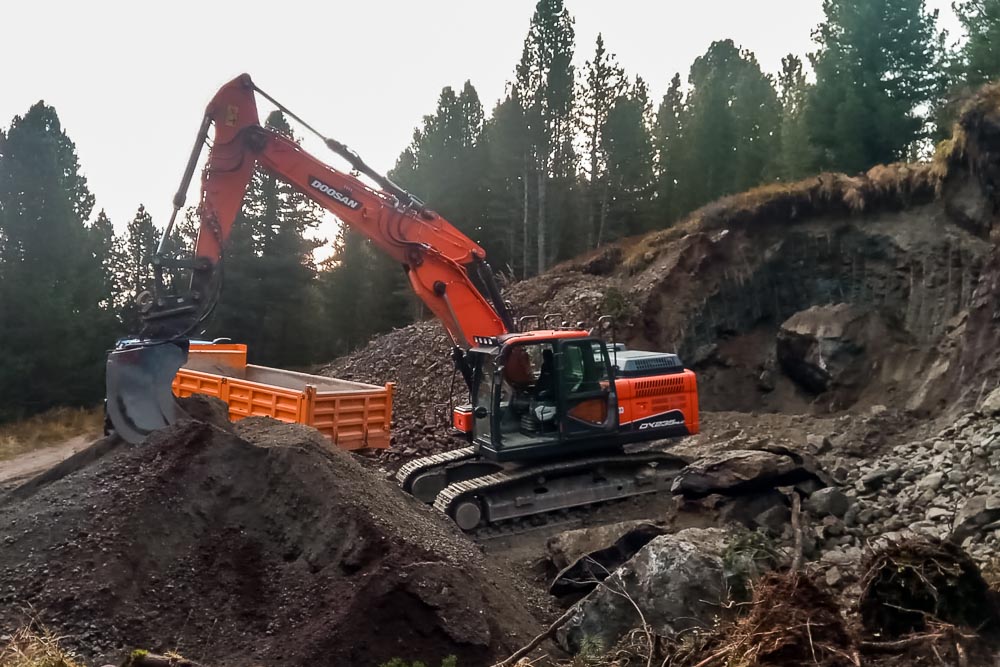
x=539, y=396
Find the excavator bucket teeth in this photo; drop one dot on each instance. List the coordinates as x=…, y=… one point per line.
x=139, y=395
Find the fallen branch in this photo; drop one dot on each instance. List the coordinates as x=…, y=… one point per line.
x=898, y=645
x=147, y=659
x=534, y=643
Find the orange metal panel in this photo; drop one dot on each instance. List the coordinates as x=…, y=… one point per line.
x=358, y=419
x=233, y=355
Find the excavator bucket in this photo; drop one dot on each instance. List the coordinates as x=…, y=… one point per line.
x=139, y=377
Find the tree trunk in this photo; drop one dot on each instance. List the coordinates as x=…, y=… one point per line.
x=604, y=212
x=524, y=221
x=592, y=190
x=542, y=179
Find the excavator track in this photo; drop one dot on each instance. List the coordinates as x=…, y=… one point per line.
x=406, y=474
x=546, y=488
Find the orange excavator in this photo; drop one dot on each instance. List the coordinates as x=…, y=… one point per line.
x=551, y=410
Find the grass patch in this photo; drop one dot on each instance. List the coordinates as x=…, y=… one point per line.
x=48, y=428
x=33, y=647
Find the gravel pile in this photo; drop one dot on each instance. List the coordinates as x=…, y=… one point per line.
x=946, y=486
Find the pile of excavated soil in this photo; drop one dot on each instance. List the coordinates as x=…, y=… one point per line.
x=258, y=546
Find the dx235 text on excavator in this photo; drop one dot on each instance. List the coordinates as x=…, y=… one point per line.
x=551, y=410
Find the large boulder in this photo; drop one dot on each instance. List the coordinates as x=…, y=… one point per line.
x=570, y=546
x=584, y=573
x=830, y=347
x=977, y=513
x=677, y=581
x=740, y=471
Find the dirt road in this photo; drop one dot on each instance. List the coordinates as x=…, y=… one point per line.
x=34, y=462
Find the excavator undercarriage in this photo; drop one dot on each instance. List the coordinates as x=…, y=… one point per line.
x=476, y=492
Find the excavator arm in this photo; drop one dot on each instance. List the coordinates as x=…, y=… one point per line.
x=446, y=269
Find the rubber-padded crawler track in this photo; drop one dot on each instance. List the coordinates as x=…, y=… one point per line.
x=452, y=495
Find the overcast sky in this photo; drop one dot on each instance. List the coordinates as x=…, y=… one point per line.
x=131, y=79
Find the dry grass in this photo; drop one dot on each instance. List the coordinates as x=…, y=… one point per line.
x=48, y=428
x=34, y=647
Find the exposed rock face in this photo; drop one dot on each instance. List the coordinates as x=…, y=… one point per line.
x=678, y=581
x=831, y=347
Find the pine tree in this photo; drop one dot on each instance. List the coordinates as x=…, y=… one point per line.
x=797, y=154
x=730, y=125
x=135, y=270
x=980, y=54
x=105, y=244
x=667, y=141
x=629, y=146
x=603, y=82
x=545, y=86
x=53, y=332
x=878, y=71
x=507, y=195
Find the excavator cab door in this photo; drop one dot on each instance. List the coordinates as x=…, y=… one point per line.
x=588, y=404
x=538, y=399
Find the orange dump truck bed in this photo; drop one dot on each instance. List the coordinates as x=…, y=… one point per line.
x=352, y=415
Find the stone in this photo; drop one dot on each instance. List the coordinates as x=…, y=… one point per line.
x=677, y=581
x=832, y=526
x=765, y=382
x=736, y=470
x=978, y=512
x=876, y=479
x=827, y=346
x=932, y=481
x=937, y=514
x=568, y=547
x=585, y=573
x=839, y=557
x=774, y=519
x=942, y=446
x=818, y=444
x=991, y=404
x=829, y=501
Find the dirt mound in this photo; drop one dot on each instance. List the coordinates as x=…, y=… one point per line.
x=259, y=546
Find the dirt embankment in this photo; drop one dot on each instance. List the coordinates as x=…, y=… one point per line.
x=258, y=546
